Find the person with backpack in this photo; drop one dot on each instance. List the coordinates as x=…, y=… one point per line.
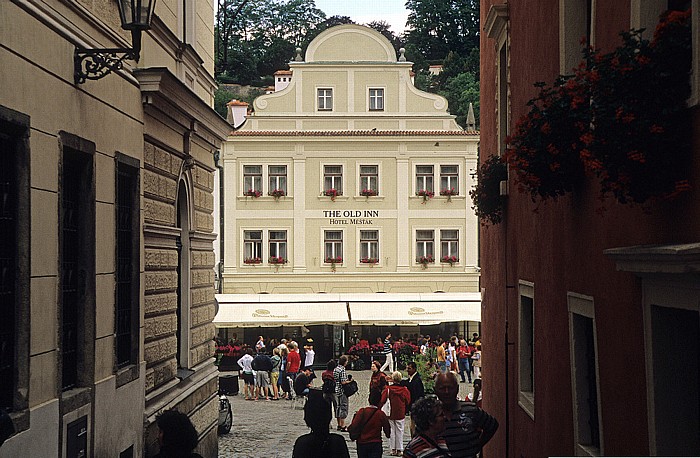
x=328, y=384
x=367, y=426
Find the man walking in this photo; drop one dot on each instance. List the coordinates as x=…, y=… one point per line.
x=467, y=427
x=389, y=363
x=414, y=383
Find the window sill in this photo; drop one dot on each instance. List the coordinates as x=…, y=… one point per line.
x=337, y=199
x=587, y=450
x=376, y=198
x=127, y=374
x=263, y=198
x=526, y=401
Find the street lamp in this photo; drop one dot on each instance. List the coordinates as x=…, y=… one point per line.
x=93, y=64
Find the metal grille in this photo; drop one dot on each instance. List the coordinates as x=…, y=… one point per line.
x=70, y=271
x=8, y=265
x=126, y=187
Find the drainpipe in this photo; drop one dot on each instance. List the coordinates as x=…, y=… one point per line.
x=217, y=157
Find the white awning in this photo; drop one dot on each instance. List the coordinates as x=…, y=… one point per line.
x=253, y=310
x=425, y=309
x=271, y=310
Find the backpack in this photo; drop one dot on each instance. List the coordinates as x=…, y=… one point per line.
x=350, y=388
x=328, y=385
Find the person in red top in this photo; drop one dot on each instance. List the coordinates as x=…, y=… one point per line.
x=370, y=421
x=293, y=361
x=399, y=398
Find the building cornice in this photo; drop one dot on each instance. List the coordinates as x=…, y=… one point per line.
x=354, y=133
x=657, y=259
x=496, y=20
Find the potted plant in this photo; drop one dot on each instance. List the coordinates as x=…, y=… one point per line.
x=277, y=260
x=370, y=261
x=368, y=193
x=486, y=194
x=333, y=261
x=449, y=259
x=425, y=260
x=448, y=192
x=277, y=193
x=332, y=193
x=254, y=193
x=425, y=194
x=254, y=260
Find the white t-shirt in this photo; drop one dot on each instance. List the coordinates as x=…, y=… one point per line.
x=309, y=359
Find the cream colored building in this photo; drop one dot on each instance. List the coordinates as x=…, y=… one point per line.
x=351, y=121
x=107, y=286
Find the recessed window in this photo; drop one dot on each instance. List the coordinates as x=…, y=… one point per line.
x=449, y=245
x=333, y=179
x=425, y=244
x=369, y=247
x=325, y=99
x=376, y=99
x=333, y=246
x=369, y=180
x=278, y=244
x=252, y=178
x=424, y=178
x=526, y=348
x=252, y=247
x=277, y=179
x=449, y=179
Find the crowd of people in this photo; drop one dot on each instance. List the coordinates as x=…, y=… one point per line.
x=440, y=424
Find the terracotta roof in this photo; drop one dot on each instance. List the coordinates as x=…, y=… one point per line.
x=237, y=103
x=353, y=133
x=283, y=72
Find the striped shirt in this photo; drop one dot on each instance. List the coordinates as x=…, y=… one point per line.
x=340, y=376
x=468, y=429
x=419, y=447
x=387, y=346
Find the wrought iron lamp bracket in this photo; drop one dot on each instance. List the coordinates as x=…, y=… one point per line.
x=93, y=64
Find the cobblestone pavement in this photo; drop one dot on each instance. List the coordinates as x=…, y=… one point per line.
x=268, y=429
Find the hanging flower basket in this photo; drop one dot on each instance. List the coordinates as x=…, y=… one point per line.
x=451, y=260
x=252, y=261
x=277, y=193
x=486, y=194
x=334, y=262
x=253, y=193
x=448, y=193
x=425, y=194
x=277, y=260
x=332, y=193
x=425, y=260
x=368, y=192
x=371, y=261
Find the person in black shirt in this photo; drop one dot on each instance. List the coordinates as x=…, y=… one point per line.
x=302, y=384
x=320, y=442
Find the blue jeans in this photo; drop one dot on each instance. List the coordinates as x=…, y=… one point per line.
x=464, y=367
x=443, y=366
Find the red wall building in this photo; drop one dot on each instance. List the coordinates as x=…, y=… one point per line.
x=591, y=319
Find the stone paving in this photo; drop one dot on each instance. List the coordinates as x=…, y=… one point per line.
x=268, y=429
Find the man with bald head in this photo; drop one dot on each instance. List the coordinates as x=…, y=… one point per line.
x=467, y=428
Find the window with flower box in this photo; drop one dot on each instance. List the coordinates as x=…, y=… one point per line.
x=278, y=247
x=333, y=247
x=252, y=247
x=252, y=180
x=333, y=180
x=369, y=247
x=449, y=180
x=277, y=180
x=424, y=178
x=324, y=99
x=376, y=99
x=369, y=180
x=425, y=246
x=449, y=245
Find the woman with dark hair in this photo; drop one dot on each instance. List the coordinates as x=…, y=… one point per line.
x=320, y=442
x=429, y=418
x=378, y=379
x=176, y=435
x=328, y=384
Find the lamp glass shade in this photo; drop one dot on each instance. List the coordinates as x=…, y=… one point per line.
x=136, y=14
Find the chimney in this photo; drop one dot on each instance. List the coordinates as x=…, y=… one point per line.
x=237, y=112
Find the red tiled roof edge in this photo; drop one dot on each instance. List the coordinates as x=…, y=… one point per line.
x=353, y=133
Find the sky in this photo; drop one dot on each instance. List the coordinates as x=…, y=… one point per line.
x=363, y=11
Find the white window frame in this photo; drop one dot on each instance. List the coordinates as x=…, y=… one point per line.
x=451, y=178
x=278, y=243
x=379, y=97
x=255, y=178
x=360, y=187
x=261, y=244
x=496, y=27
x=360, y=242
x=323, y=245
x=526, y=360
x=416, y=241
x=342, y=176
x=572, y=26
x=441, y=240
x=270, y=176
x=416, y=187
x=583, y=306
x=326, y=98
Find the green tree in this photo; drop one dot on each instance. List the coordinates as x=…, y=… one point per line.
x=459, y=92
x=383, y=27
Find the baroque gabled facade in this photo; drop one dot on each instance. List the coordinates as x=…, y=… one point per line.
x=592, y=320
x=343, y=180
x=106, y=202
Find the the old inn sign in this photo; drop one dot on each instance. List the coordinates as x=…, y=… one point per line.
x=350, y=216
